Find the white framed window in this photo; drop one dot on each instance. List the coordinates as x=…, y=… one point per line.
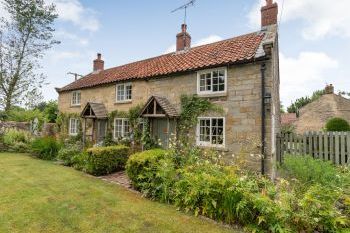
x=121, y=128
x=212, y=81
x=73, y=126
x=76, y=98
x=211, y=131
x=124, y=92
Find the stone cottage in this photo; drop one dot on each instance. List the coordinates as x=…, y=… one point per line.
x=240, y=74
x=314, y=116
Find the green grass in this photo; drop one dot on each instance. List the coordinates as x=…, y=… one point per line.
x=40, y=196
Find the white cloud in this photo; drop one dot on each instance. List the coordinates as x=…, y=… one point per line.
x=203, y=41
x=73, y=11
x=56, y=56
x=304, y=74
x=321, y=18
x=67, y=35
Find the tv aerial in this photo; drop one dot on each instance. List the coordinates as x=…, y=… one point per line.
x=184, y=7
x=75, y=75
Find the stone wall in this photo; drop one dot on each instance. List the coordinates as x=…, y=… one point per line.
x=241, y=104
x=6, y=125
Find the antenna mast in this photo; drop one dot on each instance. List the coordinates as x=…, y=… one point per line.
x=75, y=75
x=189, y=4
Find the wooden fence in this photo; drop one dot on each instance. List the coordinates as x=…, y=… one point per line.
x=332, y=146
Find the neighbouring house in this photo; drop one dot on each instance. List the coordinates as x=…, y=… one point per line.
x=314, y=116
x=240, y=74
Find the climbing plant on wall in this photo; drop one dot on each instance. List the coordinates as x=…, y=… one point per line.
x=62, y=125
x=192, y=106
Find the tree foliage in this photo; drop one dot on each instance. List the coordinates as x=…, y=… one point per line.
x=24, y=38
x=301, y=102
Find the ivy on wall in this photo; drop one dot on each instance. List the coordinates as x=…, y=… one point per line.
x=193, y=106
x=62, y=124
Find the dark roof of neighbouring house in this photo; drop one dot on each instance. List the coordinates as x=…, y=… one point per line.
x=99, y=110
x=241, y=49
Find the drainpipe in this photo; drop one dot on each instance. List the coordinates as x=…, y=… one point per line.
x=263, y=114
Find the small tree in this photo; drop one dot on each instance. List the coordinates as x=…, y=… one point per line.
x=24, y=38
x=337, y=124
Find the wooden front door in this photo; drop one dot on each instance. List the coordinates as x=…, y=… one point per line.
x=162, y=130
x=101, y=130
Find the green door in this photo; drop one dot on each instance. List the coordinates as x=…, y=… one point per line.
x=162, y=130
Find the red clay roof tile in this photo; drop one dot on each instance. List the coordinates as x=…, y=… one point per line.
x=235, y=50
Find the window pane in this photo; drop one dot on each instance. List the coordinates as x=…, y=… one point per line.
x=128, y=92
x=208, y=82
x=126, y=128
x=120, y=93
x=202, y=83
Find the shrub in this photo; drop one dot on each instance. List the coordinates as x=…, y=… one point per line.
x=17, y=140
x=105, y=160
x=232, y=196
x=337, y=124
x=152, y=173
x=79, y=161
x=142, y=163
x=45, y=148
x=67, y=154
x=310, y=171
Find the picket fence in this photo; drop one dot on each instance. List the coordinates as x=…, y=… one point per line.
x=332, y=146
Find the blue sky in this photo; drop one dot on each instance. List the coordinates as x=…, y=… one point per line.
x=314, y=37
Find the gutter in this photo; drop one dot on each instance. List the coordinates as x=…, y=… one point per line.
x=263, y=116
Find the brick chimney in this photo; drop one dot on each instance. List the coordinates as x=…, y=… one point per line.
x=183, y=39
x=98, y=63
x=269, y=13
x=329, y=89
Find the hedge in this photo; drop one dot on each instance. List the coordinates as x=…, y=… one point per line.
x=105, y=160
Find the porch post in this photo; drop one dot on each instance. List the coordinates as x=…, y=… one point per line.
x=168, y=131
x=93, y=130
x=84, y=132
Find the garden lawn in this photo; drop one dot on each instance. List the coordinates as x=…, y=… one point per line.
x=40, y=196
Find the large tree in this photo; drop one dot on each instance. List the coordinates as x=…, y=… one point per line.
x=24, y=37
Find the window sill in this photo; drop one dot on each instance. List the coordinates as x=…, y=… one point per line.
x=209, y=95
x=217, y=148
x=75, y=106
x=123, y=102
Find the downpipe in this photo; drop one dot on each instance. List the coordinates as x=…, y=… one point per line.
x=263, y=116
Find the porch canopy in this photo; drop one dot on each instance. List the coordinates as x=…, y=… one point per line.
x=160, y=107
x=94, y=111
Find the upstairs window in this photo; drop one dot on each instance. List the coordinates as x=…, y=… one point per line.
x=76, y=98
x=212, y=81
x=211, y=131
x=124, y=92
x=73, y=126
x=121, y=128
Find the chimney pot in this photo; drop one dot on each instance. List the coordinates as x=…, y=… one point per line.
x=183, y=39
x=269, y=13
x=329, y=89
x=98, y=63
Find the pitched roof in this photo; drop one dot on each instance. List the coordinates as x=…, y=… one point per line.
x=164, y=103
x=288, y=118
x=240, y=49
x=99, y=110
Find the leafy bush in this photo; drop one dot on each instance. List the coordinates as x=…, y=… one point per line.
x=152, y=173
x=230, y=195
x=67, y=154
x=104, y=160
x=337, y=124
x=17, y=140
x=46, y=148
x=310, y=171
